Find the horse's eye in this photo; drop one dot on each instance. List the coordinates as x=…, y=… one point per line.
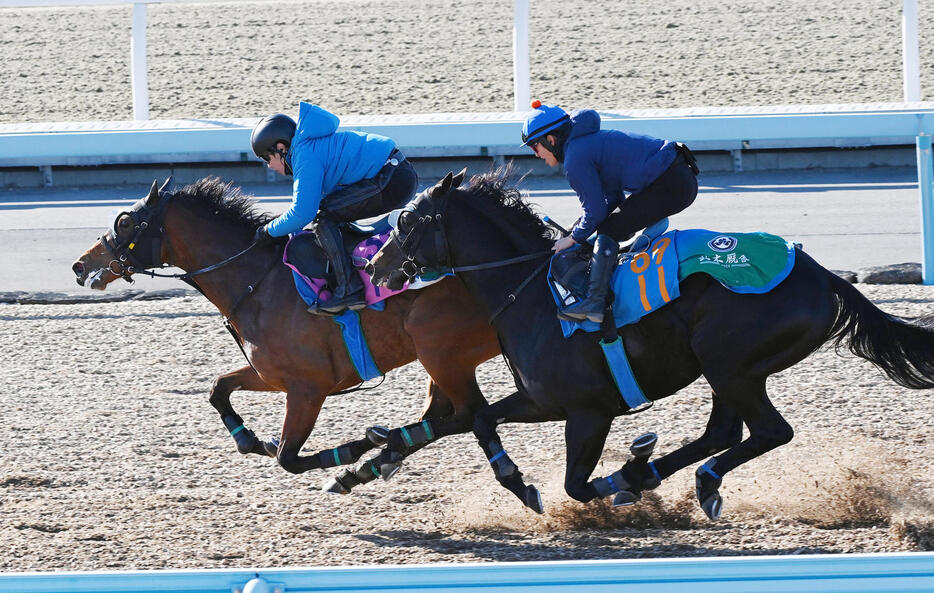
x=124, y=223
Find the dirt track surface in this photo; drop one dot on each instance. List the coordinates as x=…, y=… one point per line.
x=366, y=57
x=113, y=458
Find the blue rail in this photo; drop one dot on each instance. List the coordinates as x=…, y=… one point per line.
x=844, y=573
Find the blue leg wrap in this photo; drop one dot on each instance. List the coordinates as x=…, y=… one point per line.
x=654, y=471
x=708, y=468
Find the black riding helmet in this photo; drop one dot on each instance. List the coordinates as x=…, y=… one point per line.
x=270, y=131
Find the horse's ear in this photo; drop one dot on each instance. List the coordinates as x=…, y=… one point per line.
x=442, y=186
x=153, y=194
x=459, y=178
x=165, y=186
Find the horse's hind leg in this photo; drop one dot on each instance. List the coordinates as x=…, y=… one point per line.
x=243, y=378
x=767, y=430
x=461, y=394
x=585, y=435
x=724, y=430
x=513, y=408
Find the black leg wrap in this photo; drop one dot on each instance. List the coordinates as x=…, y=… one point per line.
x=389, y=462
x=242, y=435
x=502, y=465
x=350, y=478
x=337, y=456
x=403, y=439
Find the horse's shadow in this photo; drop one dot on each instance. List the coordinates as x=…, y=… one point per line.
x=506, y=546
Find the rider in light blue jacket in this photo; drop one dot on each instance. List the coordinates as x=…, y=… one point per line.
x=337, y=177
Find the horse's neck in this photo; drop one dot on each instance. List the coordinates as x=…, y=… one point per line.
x=492, y=286
x=194, y=244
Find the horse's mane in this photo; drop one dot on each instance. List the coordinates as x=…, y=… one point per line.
x=495, y=192
x=218, y=198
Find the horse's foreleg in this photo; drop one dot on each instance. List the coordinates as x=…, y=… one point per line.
x=767, y=430
x=724, y=430
x=437, y=405
x=514, y=408
x=247, y=379
x=301, y=412
x=349, y=453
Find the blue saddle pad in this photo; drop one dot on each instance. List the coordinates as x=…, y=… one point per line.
x=643, y=282
x=742, y=262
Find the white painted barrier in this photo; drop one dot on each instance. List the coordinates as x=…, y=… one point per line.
x=470, y=134
x=496, y=135
x=841, y=573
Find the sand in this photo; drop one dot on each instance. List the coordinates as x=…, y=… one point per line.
x=113, y=458
x=219, y=60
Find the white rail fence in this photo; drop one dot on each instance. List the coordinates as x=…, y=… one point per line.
x=831, y=573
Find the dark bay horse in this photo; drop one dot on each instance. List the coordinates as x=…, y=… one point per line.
x=734, y=340
x=289, y=349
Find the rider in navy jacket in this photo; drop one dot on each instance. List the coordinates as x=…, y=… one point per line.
x=601, y=164
x=601, y=167
x=338, y=176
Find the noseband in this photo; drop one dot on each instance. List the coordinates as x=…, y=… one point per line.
x=142, y=249
x=410, y=243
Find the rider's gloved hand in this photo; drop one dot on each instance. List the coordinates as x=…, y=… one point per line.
x=262, y=237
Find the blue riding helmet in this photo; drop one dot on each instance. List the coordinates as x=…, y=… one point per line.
x=544, y=119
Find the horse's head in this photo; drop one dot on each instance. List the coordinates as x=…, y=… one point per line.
x=407, y=253
x=133, y=243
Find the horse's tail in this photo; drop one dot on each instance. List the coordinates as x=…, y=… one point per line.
x=903, y=348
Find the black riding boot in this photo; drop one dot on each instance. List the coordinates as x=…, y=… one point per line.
x=348, y=294
x=602, y=265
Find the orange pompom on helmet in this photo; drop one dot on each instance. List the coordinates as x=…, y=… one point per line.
x=544, y=119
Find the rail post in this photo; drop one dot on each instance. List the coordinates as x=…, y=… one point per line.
x=926, y=189
x=138, y=71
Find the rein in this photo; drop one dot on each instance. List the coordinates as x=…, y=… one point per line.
x=412, y=240
x=187, y=275
x=146, y=217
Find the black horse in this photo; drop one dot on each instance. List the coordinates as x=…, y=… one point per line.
x=735, y=340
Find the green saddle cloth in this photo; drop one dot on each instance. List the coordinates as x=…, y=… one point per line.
x=743, y=262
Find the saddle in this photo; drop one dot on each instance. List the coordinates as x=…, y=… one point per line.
x=570, y=269
x=304, y=255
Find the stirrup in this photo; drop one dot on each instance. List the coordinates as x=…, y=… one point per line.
x=335, y=306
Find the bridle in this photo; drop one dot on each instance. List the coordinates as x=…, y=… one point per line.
x=143, y=250
x=431, y=215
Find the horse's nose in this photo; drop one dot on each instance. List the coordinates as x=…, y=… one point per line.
x=78, y=269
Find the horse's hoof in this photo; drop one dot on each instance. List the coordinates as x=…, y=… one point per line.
x=713, y=506
x=335, y=487
x=271, y=447
x=643, y=445
x=377, y=435
x=625, y=498
x=246, y=441
x=533, y=499
x=388, y=470
x=707, y=484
